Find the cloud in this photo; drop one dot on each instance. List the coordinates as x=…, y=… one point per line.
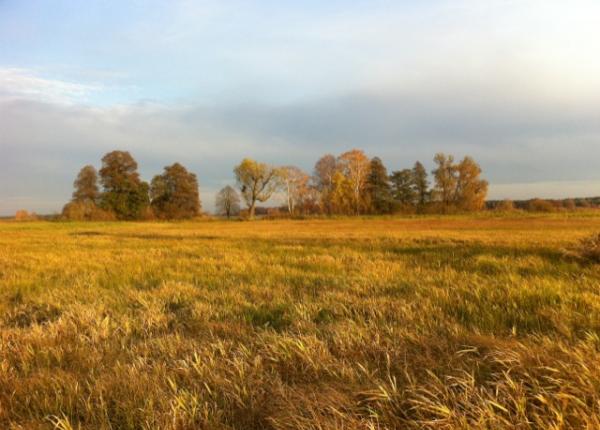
x=518, y=136
x=512, y=83
x=18, y=83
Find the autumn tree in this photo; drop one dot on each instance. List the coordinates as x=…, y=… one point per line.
x=325, y=170
x=445, y=180
x=295, y=185
x=227, y=202
x=86, y=185
x=124, y=193
x=379, y=188
x=459, y=186
x=403, y=188
x=355, y=167
x=86, y=195
x=471, y=190
x=174, y=194
x=341, y=197
x=257, y=182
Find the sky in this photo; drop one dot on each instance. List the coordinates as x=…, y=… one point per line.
x=513, y=83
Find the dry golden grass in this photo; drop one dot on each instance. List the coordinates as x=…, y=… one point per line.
x=438, y=323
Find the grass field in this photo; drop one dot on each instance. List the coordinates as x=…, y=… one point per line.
x=440, y=323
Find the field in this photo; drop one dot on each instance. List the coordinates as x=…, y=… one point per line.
x=438, y=323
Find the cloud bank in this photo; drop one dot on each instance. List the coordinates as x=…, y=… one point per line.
x=514, y=84
x=517, y=139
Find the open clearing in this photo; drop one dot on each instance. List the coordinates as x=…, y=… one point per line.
x=458, y=322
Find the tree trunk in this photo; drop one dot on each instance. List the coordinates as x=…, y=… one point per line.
x=252, y=206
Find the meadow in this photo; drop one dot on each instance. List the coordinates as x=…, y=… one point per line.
x=464, y=322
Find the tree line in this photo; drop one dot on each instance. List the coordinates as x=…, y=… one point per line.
x=349, y=184
x=116, y=191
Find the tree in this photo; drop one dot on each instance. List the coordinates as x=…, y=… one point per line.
x=123, y=191
x=257, y=182
x=174, y=194
x=471, y=190
x=380, y=191
x=403, y=188
x=355, y=166
x=325, y=170
x=86, y=186
x=295, y=184
x=227, y=202
x=445, y=180
x=420, y=184
x=84, y=203
x=459, y=186
x=340, y=199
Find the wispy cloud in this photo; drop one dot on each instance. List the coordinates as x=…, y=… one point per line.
x=18, y=83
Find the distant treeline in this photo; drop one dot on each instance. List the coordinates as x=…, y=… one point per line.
x=541, y=205
x=348, y=184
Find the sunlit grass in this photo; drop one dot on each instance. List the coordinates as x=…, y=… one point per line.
x=436, y=322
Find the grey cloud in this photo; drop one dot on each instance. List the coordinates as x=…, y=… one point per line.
x=42, y=144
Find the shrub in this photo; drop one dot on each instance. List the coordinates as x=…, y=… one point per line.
x=570, y=205
x=86, y=211
x=539, y=205
x=23, y=215
x=505, y=206
x=589, y=249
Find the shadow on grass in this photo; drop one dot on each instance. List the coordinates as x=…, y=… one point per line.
x=87, y=233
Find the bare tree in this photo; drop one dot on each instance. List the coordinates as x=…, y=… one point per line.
x=324, y=174
x=295, y=184
x=445, y=180
x=227, y=202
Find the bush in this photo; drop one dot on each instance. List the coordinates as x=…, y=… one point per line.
x=570, y=205
x=23, y=215
x=539, y=205
x=505, y=206
x=589, y=249
x=86, y=211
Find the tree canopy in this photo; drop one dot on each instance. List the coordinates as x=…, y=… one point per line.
x=380, y=190
x=257, y=182
x=86, y=185
x=124, y=193
x=174, y=194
